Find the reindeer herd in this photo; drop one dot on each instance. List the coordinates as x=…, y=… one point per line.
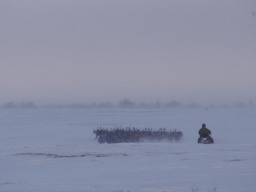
x=134, y=135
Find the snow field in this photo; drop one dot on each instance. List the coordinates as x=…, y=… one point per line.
x=55, y=150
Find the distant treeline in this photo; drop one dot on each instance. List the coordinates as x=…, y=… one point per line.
x=124, y=103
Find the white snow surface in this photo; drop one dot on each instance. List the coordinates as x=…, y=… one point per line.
x=55, y=150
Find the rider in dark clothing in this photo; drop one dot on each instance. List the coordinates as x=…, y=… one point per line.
x=205, y=133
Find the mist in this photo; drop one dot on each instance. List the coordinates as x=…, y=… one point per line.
x=147, y=51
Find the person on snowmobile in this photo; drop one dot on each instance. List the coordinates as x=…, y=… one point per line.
x=205, y=133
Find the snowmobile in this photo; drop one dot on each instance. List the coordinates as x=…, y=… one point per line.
x=205, y=140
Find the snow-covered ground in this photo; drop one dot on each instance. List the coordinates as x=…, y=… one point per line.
x=54, y=150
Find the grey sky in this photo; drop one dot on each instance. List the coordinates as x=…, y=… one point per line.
x=145, y=50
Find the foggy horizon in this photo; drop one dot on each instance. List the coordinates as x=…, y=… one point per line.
x=127, y=103
x=146, y=51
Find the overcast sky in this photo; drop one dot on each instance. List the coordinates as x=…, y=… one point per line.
x=144, y=50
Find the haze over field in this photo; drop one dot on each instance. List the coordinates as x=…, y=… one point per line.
x=145, y=50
